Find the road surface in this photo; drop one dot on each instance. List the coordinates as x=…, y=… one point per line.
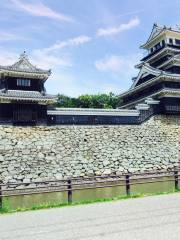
x=156, y=218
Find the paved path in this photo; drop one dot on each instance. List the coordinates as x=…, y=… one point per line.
x=156, y=218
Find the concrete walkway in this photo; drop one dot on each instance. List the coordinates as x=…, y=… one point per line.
x=156, y=218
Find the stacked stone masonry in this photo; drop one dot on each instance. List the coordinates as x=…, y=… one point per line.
x=55, y=152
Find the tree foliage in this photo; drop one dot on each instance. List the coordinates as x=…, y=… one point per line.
x=89, y=101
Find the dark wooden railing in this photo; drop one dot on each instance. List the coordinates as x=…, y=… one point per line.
x=95, y=182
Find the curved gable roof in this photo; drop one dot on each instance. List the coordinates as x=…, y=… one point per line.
x=24, y=65
x=146, y=68
x=157, y=31
x=154, y=33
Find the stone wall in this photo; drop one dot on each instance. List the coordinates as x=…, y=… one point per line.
x=39, y=153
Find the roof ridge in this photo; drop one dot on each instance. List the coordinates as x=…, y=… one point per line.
x=156, y=30
x=16, y=90
x=24, y=65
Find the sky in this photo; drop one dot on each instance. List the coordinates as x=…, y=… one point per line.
x=91, y=46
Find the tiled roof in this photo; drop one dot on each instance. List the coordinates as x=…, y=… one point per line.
x=158, y=30
x=93, y=111
x=24, y=65
x=25, y=95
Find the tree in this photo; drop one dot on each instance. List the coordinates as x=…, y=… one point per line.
x=89, y=101
x=65, y=101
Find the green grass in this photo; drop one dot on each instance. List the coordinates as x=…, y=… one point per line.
x=7, y=208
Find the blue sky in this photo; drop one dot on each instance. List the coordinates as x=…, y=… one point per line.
x=91, y=46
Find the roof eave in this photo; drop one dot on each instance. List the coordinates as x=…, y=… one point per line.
x=146, y=45
x=164, y=30
x=43, y=76
x=23, y=71
x=92, y=112
x=160, y=94
x=151, y=81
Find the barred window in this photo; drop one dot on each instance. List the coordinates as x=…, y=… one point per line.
x=177, y=41
x=157, y=46
x=170, y=40
x=24, y=82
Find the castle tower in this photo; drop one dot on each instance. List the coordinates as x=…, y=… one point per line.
x=159, y=72
x=23, y=99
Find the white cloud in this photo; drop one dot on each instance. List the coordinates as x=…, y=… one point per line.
x=46, y=61
x=110, y=64
x=120, y=69
x=38, y=58
x=80, y=40
x=118, y=65
x=115, y=30
x=49, y=57
x=7, y=57
x=40, y=10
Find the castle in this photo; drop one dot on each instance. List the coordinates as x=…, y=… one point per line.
x=159, y=73
x=156, y=89
x=23, y=99
x=142, y=135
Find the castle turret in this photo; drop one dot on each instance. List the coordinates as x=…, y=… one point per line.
x=23, y=99
x=159, y=72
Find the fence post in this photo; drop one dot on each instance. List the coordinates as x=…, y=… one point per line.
x=127, y=185
x=1, y=200
x=69, y=191
x=176, y=180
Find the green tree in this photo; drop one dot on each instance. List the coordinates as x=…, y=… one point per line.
x=89, y=101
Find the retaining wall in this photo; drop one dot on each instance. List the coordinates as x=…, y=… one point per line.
x=41, y=153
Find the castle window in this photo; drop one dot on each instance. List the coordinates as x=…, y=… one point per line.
x=157, y=46
x=24, y=82
x=177, y=41
x=163, y=43
x=151, y=50
x=170, y=40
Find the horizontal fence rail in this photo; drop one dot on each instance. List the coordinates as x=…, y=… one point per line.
x=93, y=182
